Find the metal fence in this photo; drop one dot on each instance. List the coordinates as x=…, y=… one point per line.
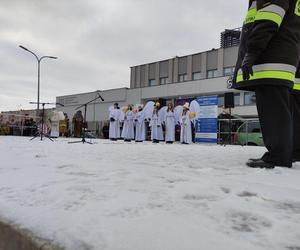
x=18, y=124
x=17, y=130
x=239, y=132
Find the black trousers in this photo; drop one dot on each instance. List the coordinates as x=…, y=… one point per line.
x=296, y=124
x=278, y=109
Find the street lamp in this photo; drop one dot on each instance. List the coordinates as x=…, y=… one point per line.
x=39, y=59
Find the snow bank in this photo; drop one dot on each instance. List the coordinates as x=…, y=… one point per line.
x=114, y=195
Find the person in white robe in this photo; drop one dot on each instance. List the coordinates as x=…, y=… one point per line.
x=55, y=117
x=114, y=124
x=170, y=124
x=156, y=125
x=128, y=127
x=186, y=126
x=140, y=126
x=54, y=124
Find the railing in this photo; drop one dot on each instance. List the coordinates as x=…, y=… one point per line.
x=18, y=130
x=239, y=131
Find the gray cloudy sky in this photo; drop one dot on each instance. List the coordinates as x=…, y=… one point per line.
x=97, y=41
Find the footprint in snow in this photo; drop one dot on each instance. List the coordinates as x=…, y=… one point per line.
x=293, y=248
x=198, y=197
x=247, y=194
x=40, y=156
x=172, y=181
x=226, y=190
x=247, y=222
x=293, y=207
x=65, y=166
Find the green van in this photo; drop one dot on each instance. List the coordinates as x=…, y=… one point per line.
x=252, y=138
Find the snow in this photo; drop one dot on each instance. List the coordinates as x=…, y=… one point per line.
x=116, y=195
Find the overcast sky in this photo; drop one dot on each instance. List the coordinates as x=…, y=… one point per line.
x=96, y=41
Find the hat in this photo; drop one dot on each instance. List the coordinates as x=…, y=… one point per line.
x=116, y=104
x=186, y=105
x=157, y=104
x=125, y=109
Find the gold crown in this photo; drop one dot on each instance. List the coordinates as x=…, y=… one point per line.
x=192, y=115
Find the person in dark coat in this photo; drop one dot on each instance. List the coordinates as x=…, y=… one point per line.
x=267, y=62
x=105, y=131
x=295, y=106
x=78, y=124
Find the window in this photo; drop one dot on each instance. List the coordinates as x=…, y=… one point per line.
x=152, y=82
x=249, y=98
x=212, y=73
x=196, y=76
x=250, y=127
x=163, y=80
x=182, y=78
x=237, y=98
x=228, y=71
x=221, y=100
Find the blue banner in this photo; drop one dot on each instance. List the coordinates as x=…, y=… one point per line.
x=206, y=127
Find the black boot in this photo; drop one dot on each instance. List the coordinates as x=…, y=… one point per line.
x=259, y=159
x=260, y=164
x=255, y=159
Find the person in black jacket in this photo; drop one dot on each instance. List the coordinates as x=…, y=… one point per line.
x=267, y=63
x=296, y=116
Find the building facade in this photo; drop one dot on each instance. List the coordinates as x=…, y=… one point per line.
x=175, y=80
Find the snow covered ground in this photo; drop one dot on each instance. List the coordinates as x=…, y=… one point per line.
x=115, y=195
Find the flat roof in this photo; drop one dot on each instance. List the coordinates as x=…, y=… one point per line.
x=213, y=49
x=90, y=92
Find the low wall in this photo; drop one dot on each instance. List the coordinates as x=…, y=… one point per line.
x=12, y=238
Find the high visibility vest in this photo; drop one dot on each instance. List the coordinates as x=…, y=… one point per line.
x=273, y=35
x=297, y=80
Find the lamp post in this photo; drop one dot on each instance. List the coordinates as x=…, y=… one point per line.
x=39, y=59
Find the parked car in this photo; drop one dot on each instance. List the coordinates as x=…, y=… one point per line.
x=249, y=133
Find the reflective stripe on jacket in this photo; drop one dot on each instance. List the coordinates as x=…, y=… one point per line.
x=272, y=29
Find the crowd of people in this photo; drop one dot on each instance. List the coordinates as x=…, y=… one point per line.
x=132, y=122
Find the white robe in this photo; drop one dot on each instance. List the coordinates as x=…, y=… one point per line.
x=54, y=129
x=128, y=127
x=170, y=126
x=140, y=127
x=54, y=124
x=156, y=128
x=186, y=128
x=114, y=127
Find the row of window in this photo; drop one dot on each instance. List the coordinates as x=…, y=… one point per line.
x=249, y=99
x=195, y=76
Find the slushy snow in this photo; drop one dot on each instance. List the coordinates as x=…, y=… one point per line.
x=128, y=196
